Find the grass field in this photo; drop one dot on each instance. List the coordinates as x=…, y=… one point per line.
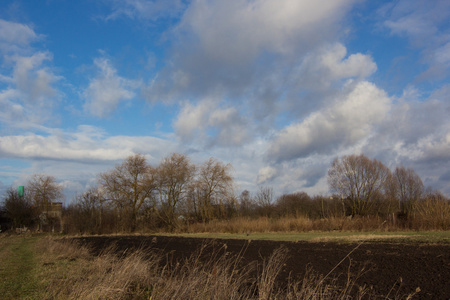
x=338, y=236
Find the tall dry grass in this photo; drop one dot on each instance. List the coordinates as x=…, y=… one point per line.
x=243, y=225
x=70, y=272
x=433, y=213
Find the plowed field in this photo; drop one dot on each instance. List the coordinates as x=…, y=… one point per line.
x=391, y=267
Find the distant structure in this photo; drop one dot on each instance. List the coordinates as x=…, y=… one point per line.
x=55, y=210
x=51, y=217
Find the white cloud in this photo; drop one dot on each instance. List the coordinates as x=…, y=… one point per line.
x=77, y=157
x=235, y=47
x=28, y=95
x=356, y=65
x=237, y=31
x=436, y=147
x=256, y=56
x=209, y=124
x=10, y=112
x=268, y=86
x=266, y=174
x=15, y=36
x=231, y=127
x=32, y=78
x=341, y=124
x=325, y=68
x=107, y=90
x=87, y=144
x=193, y=119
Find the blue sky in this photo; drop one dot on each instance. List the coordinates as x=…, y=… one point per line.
x=277, y=88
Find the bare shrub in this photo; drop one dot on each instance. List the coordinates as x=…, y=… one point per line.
x=433, y=213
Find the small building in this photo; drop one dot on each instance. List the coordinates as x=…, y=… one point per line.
x=51, y=218
x=55, y=210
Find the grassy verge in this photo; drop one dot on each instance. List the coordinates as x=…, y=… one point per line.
x=18, y=277
x=440, y=237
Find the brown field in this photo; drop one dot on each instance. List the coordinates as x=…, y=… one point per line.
x=391, y=270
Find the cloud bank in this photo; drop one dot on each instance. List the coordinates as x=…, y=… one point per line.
x=273, y=87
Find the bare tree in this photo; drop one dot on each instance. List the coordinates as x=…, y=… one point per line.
x=296, y=204
x=43, y=190
x=86, y=212
x=19, y=209
x=214, y=187
x=264, y=199
x=408, y=188
x=359, y=179
x=247, y=205
x=174, y=176
x=128, y=186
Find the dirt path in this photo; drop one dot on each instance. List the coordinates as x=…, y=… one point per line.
x=393, y=269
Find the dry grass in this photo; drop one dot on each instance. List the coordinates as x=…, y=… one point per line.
x=70, y=272
x=288, y=224
x=433, y=214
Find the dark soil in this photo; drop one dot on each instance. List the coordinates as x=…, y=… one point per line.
x=394, y=269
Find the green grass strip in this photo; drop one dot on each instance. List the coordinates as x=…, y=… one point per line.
x=17, y=268
x=440, y=237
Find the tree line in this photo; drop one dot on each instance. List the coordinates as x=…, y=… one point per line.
x=137, y=196
x=32, y=208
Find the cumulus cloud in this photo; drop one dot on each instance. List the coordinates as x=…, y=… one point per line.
x=231, y=127
x=298, y=175
x=257, y=57
x=343, y=123
x=242, y=29
x=333, y=60
x=15, y=36
x=320, y=75
x=32, y=78
x=29, y=96
x=266, y=174
x=268, y=86
x=210, y=124
x=106, y=91
x=229, y=46
x=436, y=147
x=87, y=144
x=77, y=157
x=27, y=93
x=193, y=119
x=11, y=111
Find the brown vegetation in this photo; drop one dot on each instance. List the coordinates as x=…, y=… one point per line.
x=72, y=273
x=180, y=196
